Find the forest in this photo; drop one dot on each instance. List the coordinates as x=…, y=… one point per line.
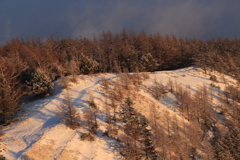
x=28, y=67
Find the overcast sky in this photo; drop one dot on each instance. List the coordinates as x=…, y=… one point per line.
x=202, y=19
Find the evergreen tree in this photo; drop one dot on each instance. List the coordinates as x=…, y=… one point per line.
x=55, y=71
x=232, y=141
x=130, y=118
x=136, y=126
x=132, y=61
x=40, y=83
x=145, y=139
x=87, y=65
x=147, y=63
x=127, y=110
x=131, y=128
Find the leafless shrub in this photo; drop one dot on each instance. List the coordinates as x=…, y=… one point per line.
x=223, y=79
x=108, y=112
x=114, y=106
x=204, y=111
x=111, y=132
x=233, y=93
x=214, y=85
x=145, y=75
x=65, y=82
x=68, y=113
x=136, y=79
x=91, y=74
x=26, y=157
x=194, y=134
x=82, y=77
x=154, y=116
x=87, y=137
x=170, y=85
x=157, y=90
x=91, y=103
x=91, y=118
x=117, y=93
x=1, y=132
x=125, y=81
x=96, y=74
x=184, y=102
x=105, y=83
x=73, y=78
x=213, y=78
x=73, y=69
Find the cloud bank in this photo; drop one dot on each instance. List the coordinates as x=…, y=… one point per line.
x=184, y=18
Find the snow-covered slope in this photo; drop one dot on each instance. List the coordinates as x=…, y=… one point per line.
x=38, y=134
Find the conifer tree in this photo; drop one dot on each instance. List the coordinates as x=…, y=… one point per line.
x=136, y=126
x=131, y=61
x=131, y=128
x=147, y=63
x=40, y=83
x=145, y=139
x=87, y=65
x=127, y=110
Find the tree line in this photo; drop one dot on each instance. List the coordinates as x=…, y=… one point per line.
x=29, y=66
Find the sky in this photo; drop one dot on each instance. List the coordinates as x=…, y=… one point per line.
x=201, y=19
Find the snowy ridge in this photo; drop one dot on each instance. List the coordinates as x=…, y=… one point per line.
x=40, y=135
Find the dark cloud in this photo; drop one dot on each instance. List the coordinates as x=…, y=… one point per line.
x=184, y=18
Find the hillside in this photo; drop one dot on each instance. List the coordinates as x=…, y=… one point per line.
x=39, y=133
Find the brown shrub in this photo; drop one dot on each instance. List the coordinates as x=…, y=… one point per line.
x=87, y=137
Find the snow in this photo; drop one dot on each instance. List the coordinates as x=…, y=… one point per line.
x=40, y=135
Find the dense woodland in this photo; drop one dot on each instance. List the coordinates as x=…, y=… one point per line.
x=28, y=67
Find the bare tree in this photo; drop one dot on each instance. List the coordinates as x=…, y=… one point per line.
x=125, y=81
x=184, y=101
x=105, y=83
x=91, y=116
x=68, y=113
x=65, y=82
x=10, y=97
x=74, y=70
x=170, y=85
x=157, y=90
x=154, y=116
